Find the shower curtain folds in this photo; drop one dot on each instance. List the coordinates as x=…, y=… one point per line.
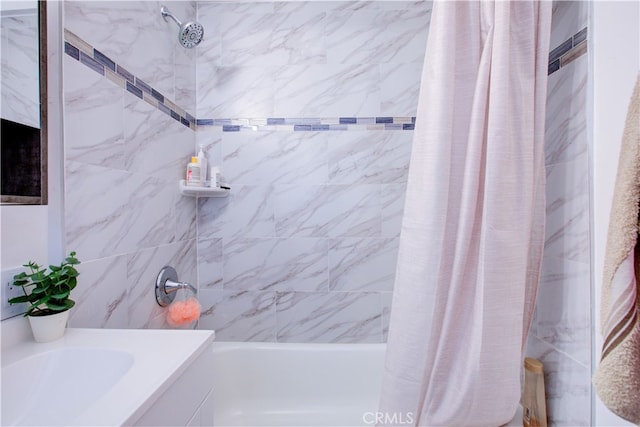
x=473, y=228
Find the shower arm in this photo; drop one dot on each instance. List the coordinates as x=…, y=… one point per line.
x=165, y=13
x=170, y=286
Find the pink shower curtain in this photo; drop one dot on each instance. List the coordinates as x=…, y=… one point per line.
x=473, y=228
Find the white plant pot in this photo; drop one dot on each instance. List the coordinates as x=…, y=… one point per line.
x=49, y=328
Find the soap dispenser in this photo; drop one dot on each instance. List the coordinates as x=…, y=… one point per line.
x=202, y=160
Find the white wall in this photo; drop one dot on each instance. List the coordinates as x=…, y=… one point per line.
x=24, y=235
x=616, y=61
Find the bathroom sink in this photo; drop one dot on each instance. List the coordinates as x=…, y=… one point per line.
x=56, y=386
x=99, y=377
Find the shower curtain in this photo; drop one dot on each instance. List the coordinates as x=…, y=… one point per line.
x=473, y=227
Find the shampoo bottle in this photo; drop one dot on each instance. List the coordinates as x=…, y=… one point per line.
x=202, y=160
x=193, y=172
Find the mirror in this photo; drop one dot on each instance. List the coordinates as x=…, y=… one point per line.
x=23, y=108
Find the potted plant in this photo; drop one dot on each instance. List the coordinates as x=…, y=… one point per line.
x=47, y=293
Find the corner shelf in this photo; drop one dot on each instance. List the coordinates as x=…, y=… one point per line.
x=186, y=190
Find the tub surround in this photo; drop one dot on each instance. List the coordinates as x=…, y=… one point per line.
x=304, y=247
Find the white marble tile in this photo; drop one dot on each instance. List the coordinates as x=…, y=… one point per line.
x=296, y=264
x=331, y=90
x=567, y=383
x=392, y=200
x=391, y=5
x=211, y=138
x=234, y=91
x=351, y=5
x=210, y=271
x=213, y=12
x=347, y=317
x=327, y=211
x=370, y=157
x=151, y=211
x=257, y=158
x=156, y=144
x=96, y=210
x=95, y=21
x=185, y=216
x=568, y=17
x=356, y=211
x=377, y=36
x=142, y=270
x=362, y=264
x=258, y=37
x=239, y=315
x=209, y=15
x=400, y=88
x=246, y=212
x=101, y=294
x=92, y=102
x=20, y=68
x=566, y=117
x=158, y=322
x=567, y=224
x=563, y=317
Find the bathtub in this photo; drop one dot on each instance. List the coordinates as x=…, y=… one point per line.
x=276, y=384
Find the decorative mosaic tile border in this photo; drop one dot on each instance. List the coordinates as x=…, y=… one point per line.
x=306, y=124
x=82, y=51
x=572, y=48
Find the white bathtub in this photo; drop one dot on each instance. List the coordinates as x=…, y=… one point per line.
x=269, y=384
x=276, y=384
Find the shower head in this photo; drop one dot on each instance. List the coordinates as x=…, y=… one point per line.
x=190, y=34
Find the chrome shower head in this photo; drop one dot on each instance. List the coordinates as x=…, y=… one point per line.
x=190, y=34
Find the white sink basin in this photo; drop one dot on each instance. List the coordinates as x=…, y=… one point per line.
x=58, y=385
x=94, y=377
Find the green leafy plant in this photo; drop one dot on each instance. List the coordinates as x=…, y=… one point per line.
x=47, y=292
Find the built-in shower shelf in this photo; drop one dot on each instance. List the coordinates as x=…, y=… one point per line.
x=202, y=191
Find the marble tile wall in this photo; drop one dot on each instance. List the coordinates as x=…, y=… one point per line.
x=123, y=159
x=304, y=248
x=561, y=331
x=20, y=67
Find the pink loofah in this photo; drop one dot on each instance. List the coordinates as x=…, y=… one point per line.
x=182, y=312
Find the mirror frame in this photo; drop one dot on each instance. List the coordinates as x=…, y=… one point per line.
x=42, y=60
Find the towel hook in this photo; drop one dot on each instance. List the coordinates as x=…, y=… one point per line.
x=167, y=285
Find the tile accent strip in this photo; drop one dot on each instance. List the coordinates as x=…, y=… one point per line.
x=86, y=54
x=83, y=52
x=310, y=124
x=572, y=48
